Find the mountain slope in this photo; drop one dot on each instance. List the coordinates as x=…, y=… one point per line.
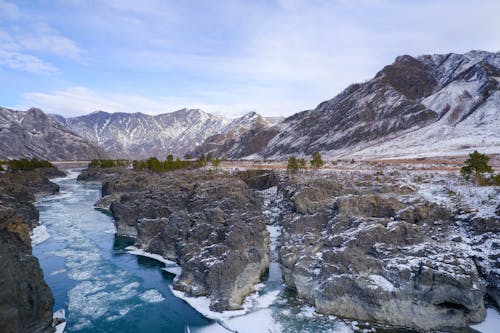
x=433, y=104
x=140, y=136
x=242, y=137
x=33, y=134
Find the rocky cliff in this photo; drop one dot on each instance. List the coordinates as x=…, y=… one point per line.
x=25, y=299
x=209, y=223
x=360, y=245
x=384, y=254
x=33, y=134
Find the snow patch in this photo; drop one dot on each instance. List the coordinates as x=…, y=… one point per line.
x=39, y=235
x=491, y=324
x=382, y=282
x=170, y=266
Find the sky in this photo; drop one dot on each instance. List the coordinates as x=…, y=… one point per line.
x=227, y=57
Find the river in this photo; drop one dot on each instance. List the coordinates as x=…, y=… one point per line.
x=102, y=287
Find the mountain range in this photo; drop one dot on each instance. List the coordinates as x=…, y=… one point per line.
x=139, y=136
x=431, y=105
x=34, y=134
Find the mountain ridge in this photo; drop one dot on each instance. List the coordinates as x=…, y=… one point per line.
x=32, y=133
x=430, y=105
x=138, y=135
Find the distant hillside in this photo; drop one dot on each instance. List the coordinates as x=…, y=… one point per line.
x=138, y=135
x=33, y=134
x=431, y=105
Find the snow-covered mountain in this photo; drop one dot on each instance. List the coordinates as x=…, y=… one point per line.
x=445, y=104
x=245, y=136
x=33, y=134
x=138, y=135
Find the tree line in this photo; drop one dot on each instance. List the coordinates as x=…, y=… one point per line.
x=295, y=164
x=25, y=164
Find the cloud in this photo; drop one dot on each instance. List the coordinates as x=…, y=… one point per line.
x=25, y=41
x=43, y=38
x=25, y=62
x=79, y=100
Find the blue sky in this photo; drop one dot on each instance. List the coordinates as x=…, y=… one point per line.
x=228, y=57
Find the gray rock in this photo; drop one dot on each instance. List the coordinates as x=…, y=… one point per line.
x=379, y=258
x=210, y=224
x=25, y=299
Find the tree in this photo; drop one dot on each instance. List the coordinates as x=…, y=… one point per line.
x=202, y=161
x=216, y=162
x=170, y=158
x=293, y=165
x=316, y=161
x=302, y=164
x=476, y=165
x=187, y=156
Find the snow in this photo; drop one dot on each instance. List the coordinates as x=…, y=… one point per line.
x=480, y=200
x=39, y=235
x=61, y=314
x=258, y=321
x=382, y=282
x=170, y=266
x=491, y=324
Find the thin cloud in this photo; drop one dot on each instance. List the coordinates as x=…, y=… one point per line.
x=25, y=62
x=25, y=41
x=75, y=101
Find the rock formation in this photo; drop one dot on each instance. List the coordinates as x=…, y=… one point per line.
x=357, y=245
x=209, y=223
x=383, y=254
x=25, y=299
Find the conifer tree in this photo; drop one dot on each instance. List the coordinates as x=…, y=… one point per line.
x=476, y=165
x=316, y=161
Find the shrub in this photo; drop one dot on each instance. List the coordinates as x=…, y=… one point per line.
x=25, y=164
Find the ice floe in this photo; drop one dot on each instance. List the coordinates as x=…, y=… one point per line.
x=39, y=235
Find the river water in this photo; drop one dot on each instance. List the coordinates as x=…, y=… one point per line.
x=102, y=287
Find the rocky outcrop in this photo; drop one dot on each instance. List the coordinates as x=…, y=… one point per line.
x=25, y=299
x=32, y=133
x=210, y=224
x=384, y=257
x=355, y=245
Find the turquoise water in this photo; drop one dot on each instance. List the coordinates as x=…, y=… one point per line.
x=102, y=287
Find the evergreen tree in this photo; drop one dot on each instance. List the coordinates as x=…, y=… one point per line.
x=202, y=161
x=216, y=162
x=293, y=165
x=476, y=165
x=302, y=164
x=316, y=161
